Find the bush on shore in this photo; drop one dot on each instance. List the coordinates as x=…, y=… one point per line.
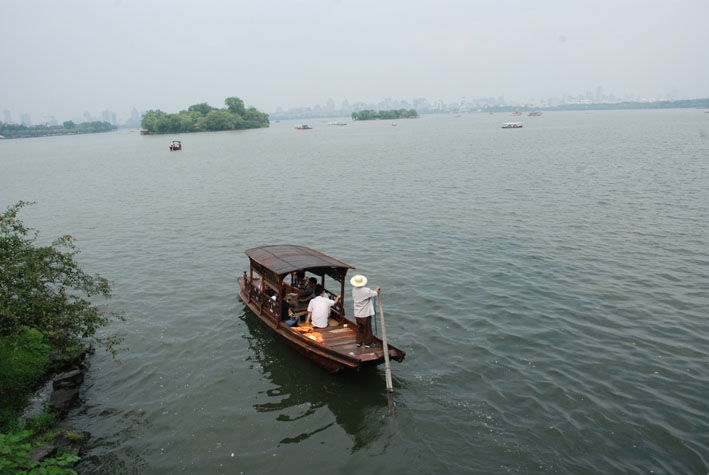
x=45, y=305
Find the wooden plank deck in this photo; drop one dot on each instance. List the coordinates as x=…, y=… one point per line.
x=343, y=340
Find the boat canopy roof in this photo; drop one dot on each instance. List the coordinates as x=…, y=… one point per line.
x=286, y=258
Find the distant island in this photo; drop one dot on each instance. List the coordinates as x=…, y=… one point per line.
x=17, y=131
x=388, y=114
x=204, y=118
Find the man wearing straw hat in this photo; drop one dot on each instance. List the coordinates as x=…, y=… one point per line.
x=363, y=299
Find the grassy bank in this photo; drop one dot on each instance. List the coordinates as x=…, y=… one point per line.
x=24, y=361
x=24, y=366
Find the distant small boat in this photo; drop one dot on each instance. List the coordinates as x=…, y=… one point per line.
x=534, y=114
x=512, y=125
x=337, y=123
x=303, y=127
x=175, y=145
x=516, y=113
x=394, y=124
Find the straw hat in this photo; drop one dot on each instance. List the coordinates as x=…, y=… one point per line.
x=358, y=281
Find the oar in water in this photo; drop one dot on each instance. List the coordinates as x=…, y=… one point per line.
x=387, y=364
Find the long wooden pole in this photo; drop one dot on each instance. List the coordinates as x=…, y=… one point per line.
x=387, y=363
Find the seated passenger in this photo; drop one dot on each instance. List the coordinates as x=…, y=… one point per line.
x=299, y=281
x=308, y=290
x=319, y=308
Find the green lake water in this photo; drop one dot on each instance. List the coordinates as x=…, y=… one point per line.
x=550, y=285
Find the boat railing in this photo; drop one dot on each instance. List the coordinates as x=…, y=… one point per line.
x=264, y=301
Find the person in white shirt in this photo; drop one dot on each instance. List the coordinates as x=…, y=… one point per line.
x=363, y=299
x=319, y=308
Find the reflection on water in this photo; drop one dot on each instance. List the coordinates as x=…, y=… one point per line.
x=355, y=399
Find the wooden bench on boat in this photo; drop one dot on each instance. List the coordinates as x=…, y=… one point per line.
x=334, y=347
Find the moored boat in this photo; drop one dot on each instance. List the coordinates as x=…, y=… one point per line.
x=512, y=125
x=303, y=127
x=270, y=291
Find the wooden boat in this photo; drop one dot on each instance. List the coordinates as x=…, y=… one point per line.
x=273, y=268
x=175, y=145
x=303, y=127
x=512, y=125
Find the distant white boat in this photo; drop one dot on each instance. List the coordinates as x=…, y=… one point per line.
x=337, y=123
x=512, y=125
x=394, y=124
x=303, y=127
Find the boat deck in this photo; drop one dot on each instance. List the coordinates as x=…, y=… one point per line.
x=342, y=339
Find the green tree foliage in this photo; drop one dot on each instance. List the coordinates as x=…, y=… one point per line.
x=235, y=105
x=203, y=117
x=43, y=288
x=219, y=120
x=203, y=108
x=387, y=114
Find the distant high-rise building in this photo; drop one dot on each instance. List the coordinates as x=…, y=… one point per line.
x=87, y=117
x=25, y=120
x=330, y=105
x=8, y=116
x=108, y=116
x=599, y=94
x=346, y=106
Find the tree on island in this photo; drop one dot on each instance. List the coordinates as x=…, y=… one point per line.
x=203, y=117
x=369, y=114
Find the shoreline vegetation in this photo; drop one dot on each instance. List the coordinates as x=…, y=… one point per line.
x=369, y=114
x=204, y=118
x=683, y=104
x=47, y=328
x=18, y=131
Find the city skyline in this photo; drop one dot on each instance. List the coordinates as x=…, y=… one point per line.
x=168, y=54
x=346, y=106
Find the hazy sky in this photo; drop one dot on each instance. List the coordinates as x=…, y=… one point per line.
x=66, y=57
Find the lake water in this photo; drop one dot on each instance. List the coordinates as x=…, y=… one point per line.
x=550, y=285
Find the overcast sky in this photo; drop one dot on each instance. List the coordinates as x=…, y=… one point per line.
x=65, y=57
